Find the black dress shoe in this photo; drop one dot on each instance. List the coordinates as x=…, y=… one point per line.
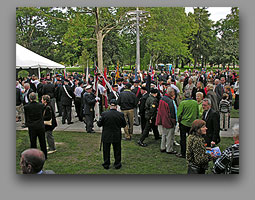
x=106, y=166
x=70, y=123
x=162, y=150
x=118, y=166
x=179, y=155
x=91, y=131
x=172, y=152
x=142, y=144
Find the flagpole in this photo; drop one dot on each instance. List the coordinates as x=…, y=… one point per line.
x=87, y=72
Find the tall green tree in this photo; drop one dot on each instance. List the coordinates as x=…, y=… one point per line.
x=166, y=34
x=94, y=24
x=41, y=30
x=202, y=41
x=227, y=30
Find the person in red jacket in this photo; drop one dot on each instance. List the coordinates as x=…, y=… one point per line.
x=166, y=121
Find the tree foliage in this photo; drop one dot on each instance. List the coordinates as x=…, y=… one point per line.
x=72, y=35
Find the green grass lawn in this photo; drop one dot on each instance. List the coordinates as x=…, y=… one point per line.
x=78, y=153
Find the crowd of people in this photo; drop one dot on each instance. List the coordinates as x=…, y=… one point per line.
x=198, y=103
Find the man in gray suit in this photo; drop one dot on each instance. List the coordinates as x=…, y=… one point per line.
x=32, y=161
x=219, y=89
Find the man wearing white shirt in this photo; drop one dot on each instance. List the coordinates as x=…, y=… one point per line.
x=77, y=101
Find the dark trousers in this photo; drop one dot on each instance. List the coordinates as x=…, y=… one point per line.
x=89, y=122
x=59, y=107
x=236, y=104
x=77, y=104
x=66, y=113
x=184, y=130
x=116, y=151
x=143, y=122
x=193, y=169
x=147, y=128
x=40, y=133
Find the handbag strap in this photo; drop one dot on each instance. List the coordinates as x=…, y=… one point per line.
x=45, y=110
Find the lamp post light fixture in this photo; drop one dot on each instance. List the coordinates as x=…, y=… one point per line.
x=138, y=16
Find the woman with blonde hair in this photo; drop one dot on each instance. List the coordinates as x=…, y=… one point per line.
x=199, y=98
x=196, y=151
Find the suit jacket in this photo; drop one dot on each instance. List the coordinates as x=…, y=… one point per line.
x=34, y=115
x=66, y=100
x=142, y=104
x=219, y=92
x=112, y=96
x=49, y=89
x=213, y=126
x=88, y=103
x=112, y=122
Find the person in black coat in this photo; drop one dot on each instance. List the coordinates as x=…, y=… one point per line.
x=141, y=105
x=34, y=122
x=89, y=101
x=58, y=87
x=112, y=121
x=67, y=96
x=212, y=120
x=49, y=89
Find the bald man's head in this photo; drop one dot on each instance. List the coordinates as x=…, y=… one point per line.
x=32, y=161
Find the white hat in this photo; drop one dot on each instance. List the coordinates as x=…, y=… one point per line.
x=88, y=87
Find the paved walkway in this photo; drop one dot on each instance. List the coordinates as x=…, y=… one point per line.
x=78, y=126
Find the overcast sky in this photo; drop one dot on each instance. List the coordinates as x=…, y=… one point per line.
x=217, y=13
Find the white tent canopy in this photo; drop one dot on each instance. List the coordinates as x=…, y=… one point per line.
x=26, y=59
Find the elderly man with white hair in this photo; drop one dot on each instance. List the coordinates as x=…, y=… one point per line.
x=228, y=163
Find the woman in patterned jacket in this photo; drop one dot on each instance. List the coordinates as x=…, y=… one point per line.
x=196, y=150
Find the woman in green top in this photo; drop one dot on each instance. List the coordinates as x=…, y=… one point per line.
x=199, y=98
x=196, y=150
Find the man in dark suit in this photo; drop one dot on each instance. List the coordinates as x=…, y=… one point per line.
x=34, y=122
x=67, y=96
x=89, y=101
x=32, y=161
x=212, y=119
x=141, y=105
x=112, y=121
x=219, y=89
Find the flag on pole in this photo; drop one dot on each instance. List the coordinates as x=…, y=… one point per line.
x=95, y=87
x=104, y=83
x=87, y=72
x=117, y=74
x=65, y=73
x=151, y=72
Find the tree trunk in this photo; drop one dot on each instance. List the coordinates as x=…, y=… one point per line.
x=100, y=50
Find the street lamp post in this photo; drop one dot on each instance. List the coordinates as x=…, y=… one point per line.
x=139, y=16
